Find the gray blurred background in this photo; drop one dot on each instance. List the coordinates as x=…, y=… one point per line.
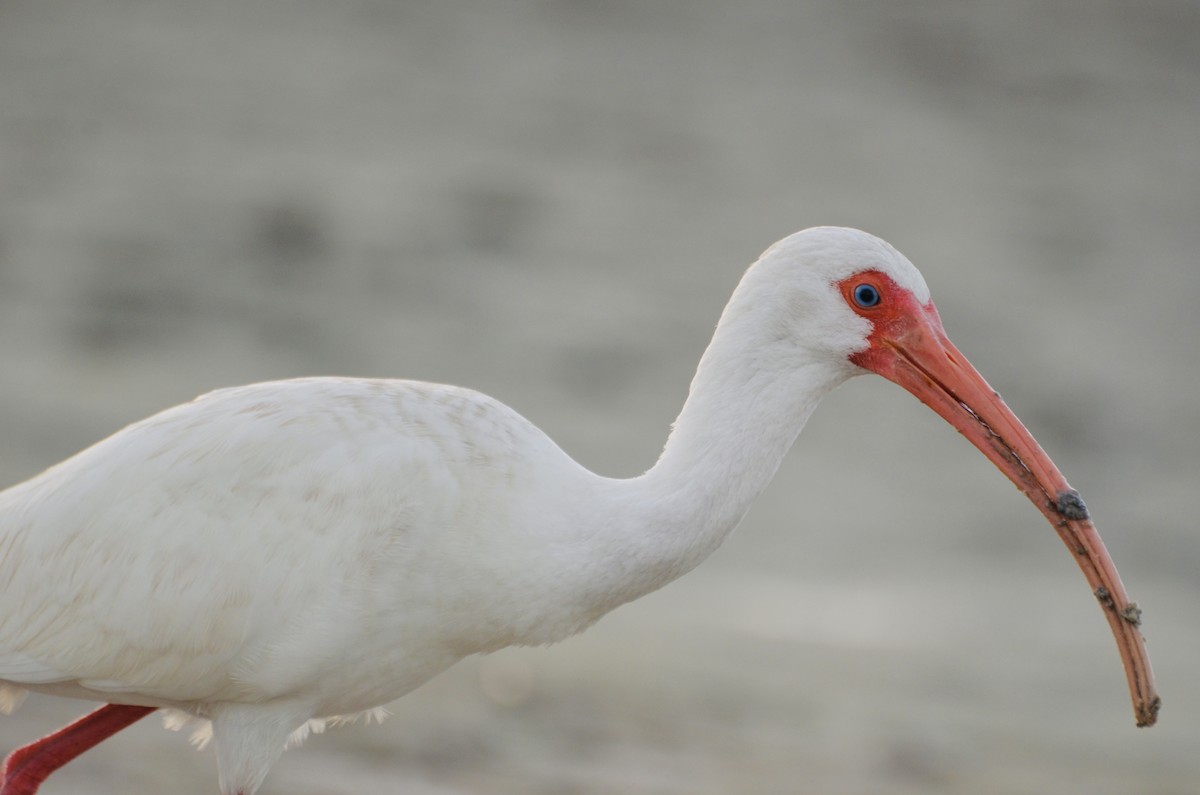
x=550, y=202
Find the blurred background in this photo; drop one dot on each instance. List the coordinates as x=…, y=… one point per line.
x=551, y=201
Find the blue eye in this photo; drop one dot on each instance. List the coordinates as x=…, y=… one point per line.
x=866, y=296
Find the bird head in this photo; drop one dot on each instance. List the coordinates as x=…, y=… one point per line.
x=860, y=304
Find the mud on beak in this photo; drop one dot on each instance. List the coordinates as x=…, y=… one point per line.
x=912, y=350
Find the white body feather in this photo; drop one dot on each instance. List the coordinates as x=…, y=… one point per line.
x=275, y=553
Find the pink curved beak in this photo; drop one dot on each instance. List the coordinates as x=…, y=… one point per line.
x=911, y=349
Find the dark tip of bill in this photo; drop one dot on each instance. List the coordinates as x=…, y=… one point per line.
x=1070, y=505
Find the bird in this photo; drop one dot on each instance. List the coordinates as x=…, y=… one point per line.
x=269, y=557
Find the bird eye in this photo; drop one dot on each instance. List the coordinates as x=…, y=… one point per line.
x=866, y=296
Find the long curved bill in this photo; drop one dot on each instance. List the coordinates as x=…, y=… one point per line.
x=913, y=351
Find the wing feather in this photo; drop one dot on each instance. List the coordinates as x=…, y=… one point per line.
x=174, y=557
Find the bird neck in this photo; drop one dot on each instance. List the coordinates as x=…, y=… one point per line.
x=749, y=400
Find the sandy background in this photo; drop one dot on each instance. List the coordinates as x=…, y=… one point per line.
x=551, y=201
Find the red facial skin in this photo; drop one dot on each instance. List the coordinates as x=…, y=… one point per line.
x=908, y=346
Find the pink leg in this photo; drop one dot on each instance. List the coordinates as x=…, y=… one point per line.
x=27, y=767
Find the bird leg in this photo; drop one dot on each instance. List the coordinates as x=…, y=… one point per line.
x=27, y=767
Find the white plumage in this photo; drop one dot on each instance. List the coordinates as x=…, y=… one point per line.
x=276, y=553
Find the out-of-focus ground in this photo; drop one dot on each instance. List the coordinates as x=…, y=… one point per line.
x=551, y=201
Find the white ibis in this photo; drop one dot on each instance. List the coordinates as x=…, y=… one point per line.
x=274, y=554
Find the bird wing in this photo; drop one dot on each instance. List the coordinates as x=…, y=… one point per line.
x=16, y=666
x=174, y=557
